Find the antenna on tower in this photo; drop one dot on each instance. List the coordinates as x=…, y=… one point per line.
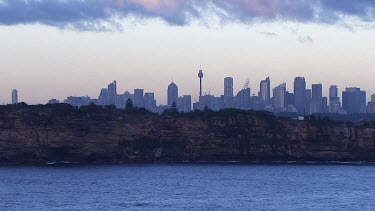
x=247, y=84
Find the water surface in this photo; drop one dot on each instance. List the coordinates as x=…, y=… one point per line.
x=188, y=187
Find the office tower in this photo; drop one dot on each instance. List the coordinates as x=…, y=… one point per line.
x=279, y=93
x=112, y=93
x=307, y=101
x=14, y=96
x=127, y=96
x=149, y=101
x=103, y=97
x=333, y=92
x=138, y=98
x=354, y=100
x=316, y=99
x=334, y=100
x=289, y=99
x=207, y=100
x=120, y=101
x=200, y=75
x=243, y=99
x=228, y=87
x=186, y=103
x=371, y=105
x=325, y=108
x=172, y=93
x=265, y=90
x=300, y=94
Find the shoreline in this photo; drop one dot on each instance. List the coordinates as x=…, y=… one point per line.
x=303, y=163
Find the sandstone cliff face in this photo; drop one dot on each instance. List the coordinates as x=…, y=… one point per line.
x=42, y=135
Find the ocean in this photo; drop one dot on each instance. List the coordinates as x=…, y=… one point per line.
x=206, y=186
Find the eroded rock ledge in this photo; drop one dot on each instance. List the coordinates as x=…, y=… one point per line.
x=54, y=133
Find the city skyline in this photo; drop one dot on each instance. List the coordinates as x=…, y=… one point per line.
x=74, y=51
x=172, y=91
x=303, y=100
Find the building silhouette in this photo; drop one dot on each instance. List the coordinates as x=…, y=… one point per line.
x=138, y=98
x=14, y=96
x=149, y=101
x=228, y=87
x=334, y=100
x=300, y=94
x=316, y=105
x=112, y=93
x=265, y=90
x=354, y=100
x=172, y=93
x=279, y=93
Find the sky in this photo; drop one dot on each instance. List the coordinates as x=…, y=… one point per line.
x=59, y=48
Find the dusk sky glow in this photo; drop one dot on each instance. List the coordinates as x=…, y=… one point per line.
x=54, y=49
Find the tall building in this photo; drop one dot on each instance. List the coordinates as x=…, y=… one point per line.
x=184, y=103
x=112, y=93
x=354, y=100
x=334, y=100
x=279, y=97
x=172, y=93
x=316, y=104
x=265, y=90
x=300, y=94
x=228, y=87
x=14, y=96
x=371, y=105
x=325, y=108
x=333, y=92
x=138, y=98
x=243, y=99
x=103, y=97
x=149, y=101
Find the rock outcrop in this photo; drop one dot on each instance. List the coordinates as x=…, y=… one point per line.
x=42, y=134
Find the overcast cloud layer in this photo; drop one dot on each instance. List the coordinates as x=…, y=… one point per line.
x=99, y=14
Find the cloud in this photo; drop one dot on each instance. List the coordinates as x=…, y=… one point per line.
x=101, y=14
x=268, y=34
x=305, y=39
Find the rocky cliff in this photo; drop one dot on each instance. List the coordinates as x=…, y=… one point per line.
x=42, y=134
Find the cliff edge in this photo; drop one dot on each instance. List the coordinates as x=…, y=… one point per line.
x=61, y=133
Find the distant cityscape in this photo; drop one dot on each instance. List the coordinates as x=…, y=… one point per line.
x=302, y=101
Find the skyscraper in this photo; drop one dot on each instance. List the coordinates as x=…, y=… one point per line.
x=279, y=97
x=265, y=90
x=149, y=101
x=300, y=94
x=138, y=98
x=334, y=99
x=228, y=87
x=243, y=99
x=354, y=100
x=172, y=93
x=371, y=105
x=333, y=92
x=103, y=97
x=112, y=93
x=14, y=96
x=316, y=98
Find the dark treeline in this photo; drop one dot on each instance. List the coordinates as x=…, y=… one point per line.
x=62, y=109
